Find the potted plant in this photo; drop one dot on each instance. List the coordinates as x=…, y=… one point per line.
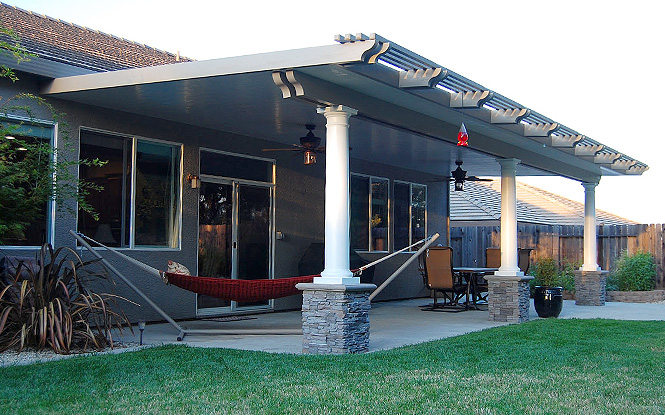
x=548, y=293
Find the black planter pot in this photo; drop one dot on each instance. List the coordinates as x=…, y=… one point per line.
x=548, y=301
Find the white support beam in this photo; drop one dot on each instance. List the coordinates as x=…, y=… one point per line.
x=337, y=216
x=590, y=236
x=606, y=158
x=470, y=99
x=509, y=266
x=420, y=78
x=509, y=116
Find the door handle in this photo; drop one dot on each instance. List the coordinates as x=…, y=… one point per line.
x=235, y=245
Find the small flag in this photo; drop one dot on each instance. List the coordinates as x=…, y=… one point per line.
x=462, y=136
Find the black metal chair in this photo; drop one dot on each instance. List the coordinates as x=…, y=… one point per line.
x=436, y=267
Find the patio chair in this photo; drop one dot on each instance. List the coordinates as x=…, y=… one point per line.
x=493, y=257
x=436, y=266
x=524, y=259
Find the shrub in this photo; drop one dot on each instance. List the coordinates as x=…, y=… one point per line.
x=633, y=273
x=567, y=279
x=49, y=305
x=546, y=272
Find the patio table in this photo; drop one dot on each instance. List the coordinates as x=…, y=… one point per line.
x=469, y=274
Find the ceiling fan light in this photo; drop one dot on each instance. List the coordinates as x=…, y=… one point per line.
x=309, y=157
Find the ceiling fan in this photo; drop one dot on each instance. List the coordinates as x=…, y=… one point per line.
x=459, y=177
x=309, y=146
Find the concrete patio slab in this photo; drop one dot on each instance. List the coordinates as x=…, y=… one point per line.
x=393, y=324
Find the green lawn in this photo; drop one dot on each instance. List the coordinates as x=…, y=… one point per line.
x=540, y=367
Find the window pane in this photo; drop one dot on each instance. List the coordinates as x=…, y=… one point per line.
x=402, y=198
x=379, y=221
x=157, y=194
x=27, y=151
x=111, y=204
x=418, y=209
x=359, y=229
x=227, y=165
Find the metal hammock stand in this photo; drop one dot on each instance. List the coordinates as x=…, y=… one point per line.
x=233, y=289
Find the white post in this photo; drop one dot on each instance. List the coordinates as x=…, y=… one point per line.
x=590, y=237
x=509, y=267
x=337, y=217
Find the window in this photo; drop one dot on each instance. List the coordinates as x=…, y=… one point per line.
x=140, y=203
x=27, y=146
x=410, y=215
x=369, y=213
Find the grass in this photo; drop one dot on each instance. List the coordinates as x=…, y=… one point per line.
x=541, y=367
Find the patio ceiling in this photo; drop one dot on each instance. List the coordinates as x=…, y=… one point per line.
x=409, y=108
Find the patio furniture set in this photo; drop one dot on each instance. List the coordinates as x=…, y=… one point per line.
x=457, y=283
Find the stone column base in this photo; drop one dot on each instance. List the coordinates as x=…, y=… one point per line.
x=508, y=298
x=590, y=287
x=335, y=318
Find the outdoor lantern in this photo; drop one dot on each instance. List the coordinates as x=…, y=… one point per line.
x=310, y=157
x=459, y=175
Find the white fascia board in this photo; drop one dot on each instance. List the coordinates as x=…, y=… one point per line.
x=320, y=55
x=44, y=67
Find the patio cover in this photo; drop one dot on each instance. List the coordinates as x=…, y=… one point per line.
x=409, y=108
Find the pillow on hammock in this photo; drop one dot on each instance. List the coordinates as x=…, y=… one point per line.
x=177, y=268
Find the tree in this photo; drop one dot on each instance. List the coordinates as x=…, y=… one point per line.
x=32, y=171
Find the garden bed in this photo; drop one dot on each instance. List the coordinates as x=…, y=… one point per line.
x=654, y=296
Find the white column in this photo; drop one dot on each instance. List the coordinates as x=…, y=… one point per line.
x=337, y=217
x=509, y=267
x=590, y=237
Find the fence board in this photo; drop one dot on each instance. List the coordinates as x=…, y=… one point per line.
x=563, y=243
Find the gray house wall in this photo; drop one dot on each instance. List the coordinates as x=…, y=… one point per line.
x=299, y=195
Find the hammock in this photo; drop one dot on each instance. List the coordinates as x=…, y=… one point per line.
x=235, y=289
x=238, y=290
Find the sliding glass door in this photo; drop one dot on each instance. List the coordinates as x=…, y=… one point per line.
x=235, y=238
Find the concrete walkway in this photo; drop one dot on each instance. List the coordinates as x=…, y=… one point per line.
x=393, y=324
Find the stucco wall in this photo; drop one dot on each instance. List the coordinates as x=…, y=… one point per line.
x=298, y=199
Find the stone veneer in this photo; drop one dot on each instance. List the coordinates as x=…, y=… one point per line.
x=508, y=298
x=654, y=296
x=590, y=287
x=335, y=318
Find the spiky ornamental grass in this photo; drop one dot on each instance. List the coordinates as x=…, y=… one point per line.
x=49, y=304
x=546, y=366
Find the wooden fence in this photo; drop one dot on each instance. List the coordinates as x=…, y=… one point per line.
x=563, y=243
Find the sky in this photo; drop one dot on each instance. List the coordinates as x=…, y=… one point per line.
x=594, y=66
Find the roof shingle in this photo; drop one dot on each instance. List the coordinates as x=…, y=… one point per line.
x=64, y=42
x=481, y=201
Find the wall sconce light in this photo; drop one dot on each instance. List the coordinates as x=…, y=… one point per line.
x=194, y=181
